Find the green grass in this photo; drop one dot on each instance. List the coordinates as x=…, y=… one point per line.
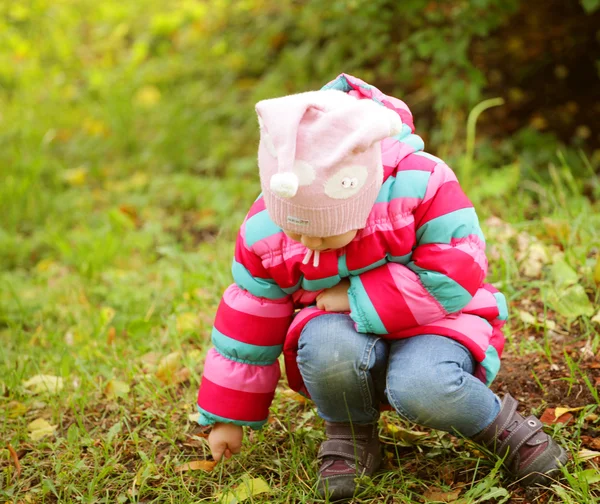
x=116, y=238
x=132, y=270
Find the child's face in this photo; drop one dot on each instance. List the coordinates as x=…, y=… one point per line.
x=325, y=243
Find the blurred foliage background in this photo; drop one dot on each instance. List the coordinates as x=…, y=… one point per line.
x=103, y=104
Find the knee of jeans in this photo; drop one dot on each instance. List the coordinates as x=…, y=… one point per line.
x=321, y=357
x=422, y=393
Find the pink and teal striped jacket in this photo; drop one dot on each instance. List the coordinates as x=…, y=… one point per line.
x=418, y=267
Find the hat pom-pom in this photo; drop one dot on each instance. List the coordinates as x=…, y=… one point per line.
x=284, y=185
x=395, y=123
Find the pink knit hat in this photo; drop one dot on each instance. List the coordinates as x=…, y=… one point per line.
x=320, y=160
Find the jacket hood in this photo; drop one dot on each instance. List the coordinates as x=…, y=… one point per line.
x=410, y=142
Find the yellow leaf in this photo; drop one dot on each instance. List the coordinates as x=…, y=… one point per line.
x=527, y=318
x=437, y=495
x=75, y=177
x=295, y=396
x=16, y=409
x=147, y=97
x=249, y=487
x=203, y=465
x=44, y=265
x=588, y=454
x=116, y=388
x=186, y=322
x=194, y=417
x=405, y=435
x=39, y=384
x=597, y=271
x=168, y=367
x=40, y=428
x=107, y=314
x=558, y=412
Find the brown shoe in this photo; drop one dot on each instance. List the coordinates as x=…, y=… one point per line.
x=532, y=456
x=351, y=450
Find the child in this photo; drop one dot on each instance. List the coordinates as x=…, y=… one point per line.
x=376, y=245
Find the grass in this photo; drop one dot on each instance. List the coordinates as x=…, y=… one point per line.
x=102, y=293
x=115, y=246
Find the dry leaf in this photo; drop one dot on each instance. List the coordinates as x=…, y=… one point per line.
x=550, y=417
x=194, y=417
x=527, y=318
x=593, y=443
x=40, y=384
x=436, y=495
x=186, y=322
x=405, y=435
x=558, y=412
x=596, y=318
x=116, y=388
x=588, y=454
x=147, y=97
x=295, y=396
x=533, y=256
x=168, y=367
x=16, y=409
x=40, y=428
x=75, y=177
x=247, y=488
x=203, y=465
x=111, y=335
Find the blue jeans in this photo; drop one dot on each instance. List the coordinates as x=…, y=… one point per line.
x=426, y=379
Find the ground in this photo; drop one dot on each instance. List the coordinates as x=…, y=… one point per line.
x=116, y=311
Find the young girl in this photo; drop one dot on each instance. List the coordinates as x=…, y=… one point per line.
x=363, y=261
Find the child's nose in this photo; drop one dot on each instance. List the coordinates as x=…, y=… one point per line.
x=311, y=241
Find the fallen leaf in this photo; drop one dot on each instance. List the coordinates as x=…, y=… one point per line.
x=437, y=495
x=596, y=318
x=593, y=443
x=107, y=314
x=186, y=322
x=562, y=274
x=294, y=396
x=203, y=465
x=249, y=487
x=40, y=428
x=194, y=417
x=116, y=388
x=550, y=417
x=168, y=367
x=588, y=454
x=404, y=435
x=111, y=335
x=147, y=96
x=75, y=177
x=558, y=412
x=16, y=409
x=533, y=256
x=40, y=384
x=527, y=318
x=571, y=302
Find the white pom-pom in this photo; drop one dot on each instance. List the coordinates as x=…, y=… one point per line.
x=395, y=122
x=284, y=185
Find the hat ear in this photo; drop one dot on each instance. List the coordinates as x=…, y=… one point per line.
x=366, y=122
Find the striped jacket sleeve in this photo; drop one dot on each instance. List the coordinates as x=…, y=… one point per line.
x=241, y=371
x=446, y=269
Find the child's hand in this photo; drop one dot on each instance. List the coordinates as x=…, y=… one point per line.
x=336, y=298
x=225, y=439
